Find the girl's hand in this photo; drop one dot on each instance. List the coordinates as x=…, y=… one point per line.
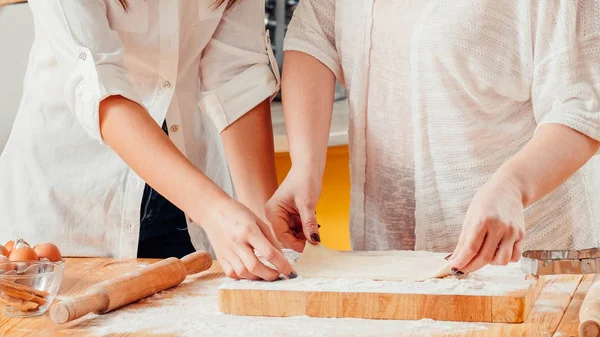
x=235, y=232
x=493, y=228
x=292, y=210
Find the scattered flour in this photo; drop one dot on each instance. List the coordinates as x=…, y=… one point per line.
x=547, y=305
x=560, y=287
x=490, y=280
x=197, y=315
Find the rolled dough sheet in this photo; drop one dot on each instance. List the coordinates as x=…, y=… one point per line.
x=320, y=261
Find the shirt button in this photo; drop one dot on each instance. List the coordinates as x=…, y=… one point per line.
x=82, y=56
x=175, y=128
x=166, y=85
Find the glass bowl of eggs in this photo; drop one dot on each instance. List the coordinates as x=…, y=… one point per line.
x=28, y=282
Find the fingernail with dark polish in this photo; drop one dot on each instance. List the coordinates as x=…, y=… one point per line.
x=447, y=257
x=456, y=272
x=292, y=275
x=318, y=226
x=315, y=237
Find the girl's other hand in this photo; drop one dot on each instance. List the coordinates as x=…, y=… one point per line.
x=493, y=229
x=292, y=210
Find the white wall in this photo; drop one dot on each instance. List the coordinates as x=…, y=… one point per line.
x=16, y=37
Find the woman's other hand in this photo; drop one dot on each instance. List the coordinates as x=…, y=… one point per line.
x=235, y=232
x=292, y=210
x=493, y=229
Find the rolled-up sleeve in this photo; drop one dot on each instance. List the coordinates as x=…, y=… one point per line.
x=235, y=68
x=566, y=80
x=89, y=53
x=312, y=31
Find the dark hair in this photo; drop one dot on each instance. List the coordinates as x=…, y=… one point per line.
x=216, y=3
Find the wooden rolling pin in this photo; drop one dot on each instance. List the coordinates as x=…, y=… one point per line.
x=589, y=313
x=130, y=287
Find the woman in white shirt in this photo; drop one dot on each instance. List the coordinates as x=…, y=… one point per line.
x=103, y=76
x=473, y=124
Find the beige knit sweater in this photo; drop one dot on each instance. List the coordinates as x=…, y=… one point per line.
x=485, y=74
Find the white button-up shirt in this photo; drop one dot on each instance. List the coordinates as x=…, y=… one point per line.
x=198, y=68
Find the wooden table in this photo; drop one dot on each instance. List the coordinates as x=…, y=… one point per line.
x=557, y=314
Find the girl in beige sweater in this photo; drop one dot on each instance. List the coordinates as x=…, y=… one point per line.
x=474, y=125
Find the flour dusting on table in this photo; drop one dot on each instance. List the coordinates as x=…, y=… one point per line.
x=194, y=309
x=196, y=314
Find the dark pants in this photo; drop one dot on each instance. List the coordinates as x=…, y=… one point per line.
x=163, y=227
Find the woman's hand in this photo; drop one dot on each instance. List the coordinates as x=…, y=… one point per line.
x=235, y=232
x=292, y=210
x=493, y=228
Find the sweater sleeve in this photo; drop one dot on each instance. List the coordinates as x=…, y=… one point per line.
x=566, y=77
x=312, y=31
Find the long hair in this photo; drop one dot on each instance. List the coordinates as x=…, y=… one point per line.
x=216, y=3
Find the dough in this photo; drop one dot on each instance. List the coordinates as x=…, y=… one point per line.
x=320, y=261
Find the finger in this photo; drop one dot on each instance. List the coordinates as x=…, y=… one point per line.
x=485, y=254
x=296, y=227
x=458, y=247
x=517, y=251
x=228, y=270
x=300, y=236
x=470, y=247
x=309, y=223
x=504, y=252
x=274, y=256
x=288, y=237
x=254, y=266
x=281, y=224
x=295, y=223
x=240, y=268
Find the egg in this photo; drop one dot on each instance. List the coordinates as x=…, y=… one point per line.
x=47, y=250
x=3, y=251
x=22, y=252
x=6, y=267
x=9, y=245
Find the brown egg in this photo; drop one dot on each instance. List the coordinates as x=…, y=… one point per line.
x=9, y=245
x=6, y=267
x=47, y=250
x=3, y=251
x=22, y=252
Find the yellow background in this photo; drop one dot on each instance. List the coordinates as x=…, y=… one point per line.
x=333, y=209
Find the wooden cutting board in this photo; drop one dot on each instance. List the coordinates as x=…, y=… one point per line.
x=512, y=307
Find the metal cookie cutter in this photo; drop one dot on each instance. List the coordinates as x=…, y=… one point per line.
x=555, y=262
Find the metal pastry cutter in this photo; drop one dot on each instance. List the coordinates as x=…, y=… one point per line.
x=556, y=262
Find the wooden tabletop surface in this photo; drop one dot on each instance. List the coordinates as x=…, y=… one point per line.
x=556, y=315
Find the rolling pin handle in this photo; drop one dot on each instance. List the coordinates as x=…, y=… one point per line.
x=589, y=313
x=69, y=310
x=197, y=262
x=589, y=329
